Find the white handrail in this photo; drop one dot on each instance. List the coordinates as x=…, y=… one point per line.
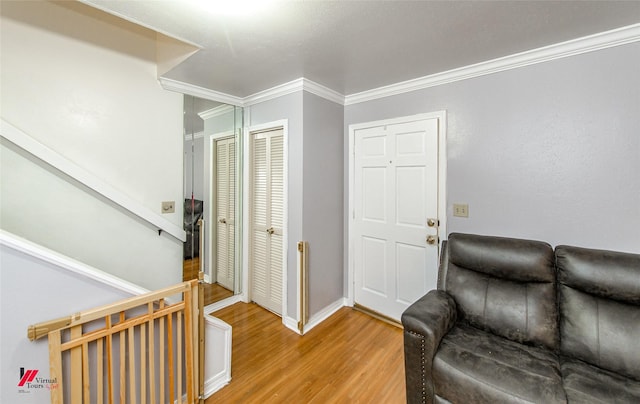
x=61, y=163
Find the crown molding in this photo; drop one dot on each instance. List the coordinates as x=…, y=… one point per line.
x=300, y=84
x=217, y=111
x=591, y=43
x=201, y=92
x=322, y=91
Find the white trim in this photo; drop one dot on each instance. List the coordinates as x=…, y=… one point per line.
x=292, y=324
x=324, y=314
x=322, y=91
x=59, y=260
x=300, y=84
x=222, y=378
x=201, y=92
x=441, y=116
x=274, y=92
x=591, y=43
x=217, y=111
x=62, y=164
x=221, y=304
x=246, y=230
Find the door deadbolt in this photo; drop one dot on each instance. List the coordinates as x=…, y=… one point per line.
x=433, y=222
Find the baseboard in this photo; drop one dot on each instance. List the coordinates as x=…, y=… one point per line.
x=291, y=323
x=222, y=304
x=317, y=318
x=215, y=383
x=325, y=314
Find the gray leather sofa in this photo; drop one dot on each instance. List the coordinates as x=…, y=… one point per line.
x=515, y=321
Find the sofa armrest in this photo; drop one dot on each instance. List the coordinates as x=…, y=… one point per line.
x=425, y=323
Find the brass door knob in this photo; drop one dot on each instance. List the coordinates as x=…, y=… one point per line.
x=431, y=240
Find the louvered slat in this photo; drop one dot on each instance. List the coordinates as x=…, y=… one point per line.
x=267, y=219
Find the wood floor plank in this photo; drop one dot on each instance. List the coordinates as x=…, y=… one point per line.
x=349, y=358
x=213, y=292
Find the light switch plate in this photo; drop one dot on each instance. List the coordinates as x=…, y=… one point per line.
x=460, y=210
x=168, y=207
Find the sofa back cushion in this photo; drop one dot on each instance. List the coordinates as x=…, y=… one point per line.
x=504, y=286
x=599, y=296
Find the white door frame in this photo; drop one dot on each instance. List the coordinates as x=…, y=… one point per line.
x=210, y=218
x=441, y=116
x=246, y=192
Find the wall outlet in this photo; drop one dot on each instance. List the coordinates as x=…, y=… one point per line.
x=168, y=207
x=460, y=210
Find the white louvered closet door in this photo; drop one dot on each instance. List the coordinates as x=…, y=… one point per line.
x=225, y=212
x=267, y=195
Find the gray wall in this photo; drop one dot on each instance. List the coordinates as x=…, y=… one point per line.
x=549, y=151
x=315, y=172
x=322, y=199
x=287, y=107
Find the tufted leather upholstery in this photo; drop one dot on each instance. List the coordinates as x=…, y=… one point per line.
x=512, y=321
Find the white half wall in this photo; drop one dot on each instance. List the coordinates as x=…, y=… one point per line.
x=40, y=285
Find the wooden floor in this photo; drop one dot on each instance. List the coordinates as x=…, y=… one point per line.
x=349, y=358
x=212, y=291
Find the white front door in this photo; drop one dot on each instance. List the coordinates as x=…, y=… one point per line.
x=225, y=152
x=267, y=219
x=395, y=194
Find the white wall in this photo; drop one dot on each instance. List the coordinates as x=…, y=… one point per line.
x=84, y=84
x=549, y=151
x=323, y=220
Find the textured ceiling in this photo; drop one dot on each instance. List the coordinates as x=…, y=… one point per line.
x=353, y=46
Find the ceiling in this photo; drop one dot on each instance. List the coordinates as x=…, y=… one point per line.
x=354, y=46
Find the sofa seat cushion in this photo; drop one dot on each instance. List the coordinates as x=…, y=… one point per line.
x=584, y=383
x=474, y=366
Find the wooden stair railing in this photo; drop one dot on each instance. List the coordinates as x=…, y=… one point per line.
x=139, y=350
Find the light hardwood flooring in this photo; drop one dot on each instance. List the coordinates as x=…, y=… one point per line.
x=212, y=291
x=349, y=358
